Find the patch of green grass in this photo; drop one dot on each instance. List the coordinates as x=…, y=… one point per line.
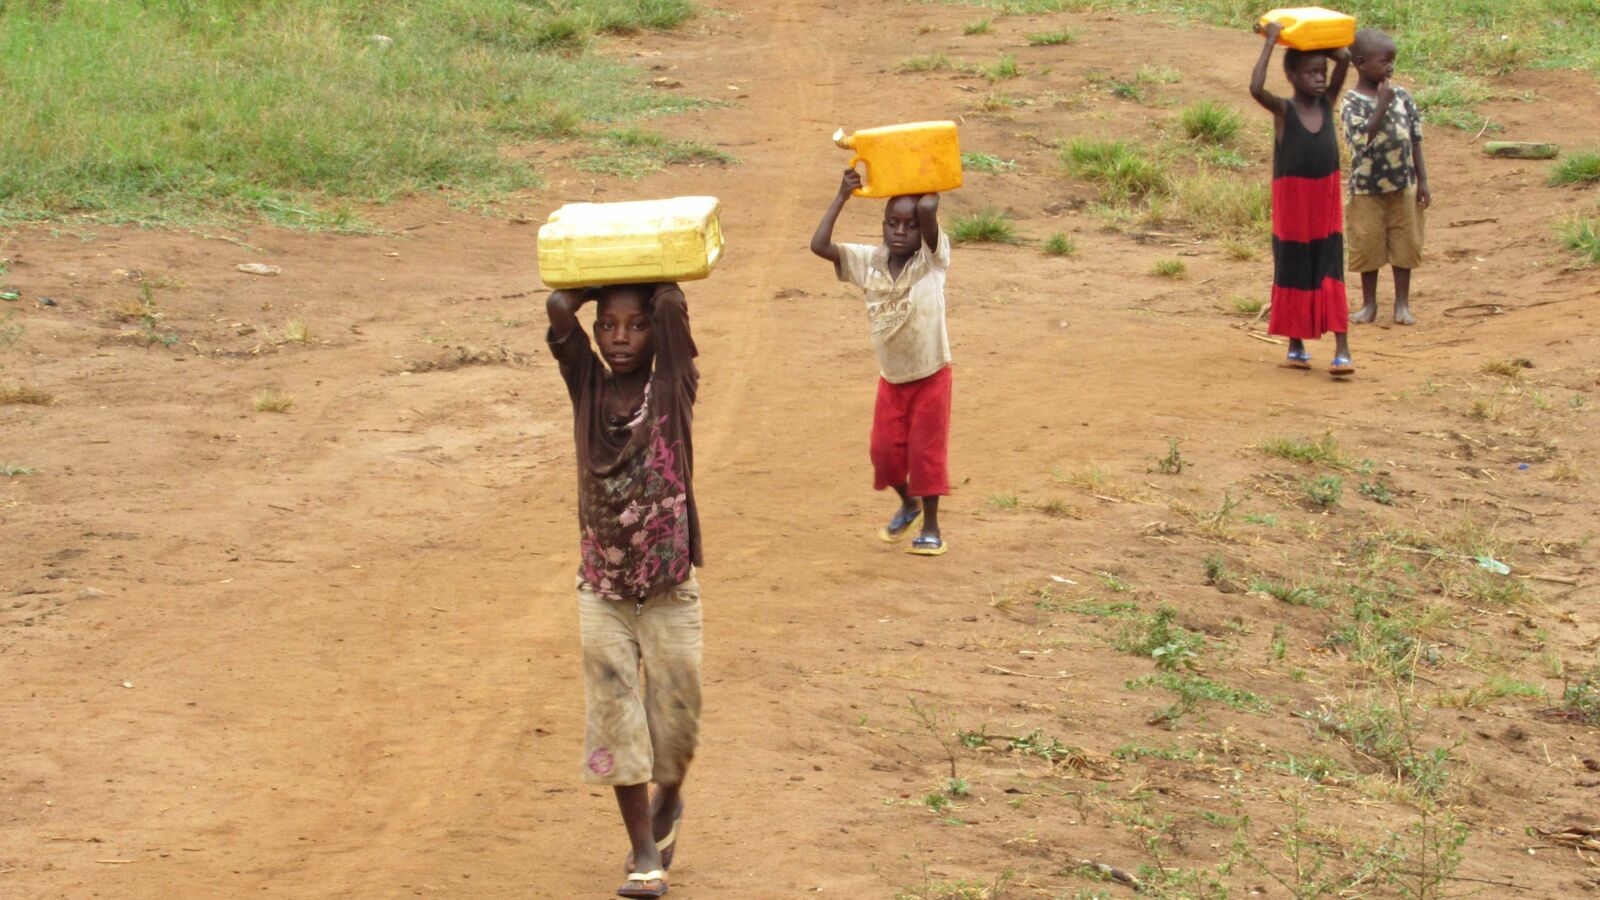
x=1322, y=492
x=1128, y=90
x=987, y=163
x=1580, y=699
x=1052, y=38
x=1004, y=501
x=1323, y=451
x=930, y=62
x=1209, y=122
x=1578, y=168
x=1172, y=463
x=1222, y=204
x=986, y=226
x=1132, y=751
x=979, y=27
x=11, y=470
x=1170, y=268
x=1376, y=490
x=1121, y=170
x=634, y=153
x=1448, y=98
x=1238, y=249
x=1148, y=74
x=1491, y=691
x=1162, y=639
x=1246, y=306
x=1003, y=69
x=1292, y=594
x=1193, y=690
x=1059, y=244
x=1582, y=235
x=288, y=112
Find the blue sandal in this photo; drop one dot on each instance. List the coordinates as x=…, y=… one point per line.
x=1301, y=360
x=927, y=545
x=900, y=526
x=1341, y=367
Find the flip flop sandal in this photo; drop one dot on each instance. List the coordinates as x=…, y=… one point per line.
x=644, y=884
x=1341, y=367
x=927, y=546
x=1301, y=360
x=900, y=526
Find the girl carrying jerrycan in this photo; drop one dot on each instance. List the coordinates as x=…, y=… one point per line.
x=903, y=279
x=1308, y=295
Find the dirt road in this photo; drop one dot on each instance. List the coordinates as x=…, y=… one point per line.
x=333, y=652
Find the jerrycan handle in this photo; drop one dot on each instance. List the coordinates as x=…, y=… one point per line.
x=866, y=176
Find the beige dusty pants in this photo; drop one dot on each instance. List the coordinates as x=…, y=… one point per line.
x=641, y=683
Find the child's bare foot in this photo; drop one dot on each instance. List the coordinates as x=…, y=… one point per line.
x=1402, y=315
x=1367, y=313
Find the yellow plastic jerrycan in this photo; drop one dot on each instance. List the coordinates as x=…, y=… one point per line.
x=1311, y=27
x=915, y=158
x=589, y=244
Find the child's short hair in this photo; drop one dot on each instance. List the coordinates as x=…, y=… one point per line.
x=1292, y=58
x=1369, y=41
x=640, y=292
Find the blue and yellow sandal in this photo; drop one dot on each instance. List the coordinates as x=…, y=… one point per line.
x=927, y=545
x=900, y=526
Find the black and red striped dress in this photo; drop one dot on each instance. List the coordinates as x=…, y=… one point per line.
x=1308, y=298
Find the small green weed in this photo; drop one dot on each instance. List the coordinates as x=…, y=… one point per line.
x=1172, y=463
x=1193, y=690
x=1052, y=38
x=1580, y=698
x=1324, y=451
x=1059, y=244
x=1170, y=268
x=11, y=470
x=931, y=62
x=268, y=400
x=1122, y=171
x=1246, y=306
x=1322, y=492
x=1004, y=501
x=987, y=163
x=1292, y=594
x=1579, y=168
x=1162, y=639
x=1208, y=122
x=1003, y=69
x=1376, y=490
x=975, y=28
x=1582, y=235
x=989, y=226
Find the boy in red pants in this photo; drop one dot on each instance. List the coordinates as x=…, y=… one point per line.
x=903, y=279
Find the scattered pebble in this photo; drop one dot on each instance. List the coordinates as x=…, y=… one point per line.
x=258, y=269
x=381, y=40
x=90, y=593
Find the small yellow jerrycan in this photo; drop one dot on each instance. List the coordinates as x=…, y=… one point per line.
x=915, y=158
x=1311, y=27
x=590, y=244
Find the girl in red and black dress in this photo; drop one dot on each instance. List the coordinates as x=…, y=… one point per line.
x=1308, y=298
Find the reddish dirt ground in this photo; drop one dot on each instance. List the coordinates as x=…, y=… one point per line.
x=333, y=652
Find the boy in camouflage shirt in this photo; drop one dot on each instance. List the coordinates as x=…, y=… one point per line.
x=1388, y=181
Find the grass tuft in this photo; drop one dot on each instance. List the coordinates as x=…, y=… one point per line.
x=1209, y=122
x=1059, y=244
x=1003, y=69
x=1582, y=235
x=1052, y=38
x=979, y=27
x=1122, y=171
x=1170, y=268
x=269, y=400
x=987, y=163
x=1579, y=168
x=986, y=226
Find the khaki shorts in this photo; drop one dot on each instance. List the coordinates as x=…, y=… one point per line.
x=641, y=684
x=1383, y=229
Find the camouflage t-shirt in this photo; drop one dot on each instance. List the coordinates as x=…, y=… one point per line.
x=1382, y=163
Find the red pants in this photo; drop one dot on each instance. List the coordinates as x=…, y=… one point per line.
x=911, y=435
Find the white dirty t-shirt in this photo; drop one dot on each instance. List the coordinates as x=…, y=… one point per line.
x=906, y=314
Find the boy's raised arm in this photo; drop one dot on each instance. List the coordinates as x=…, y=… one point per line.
x=562, y=307
x=928, y=220
x=1258, y=77
x=1341, y=68
x=822, y=241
